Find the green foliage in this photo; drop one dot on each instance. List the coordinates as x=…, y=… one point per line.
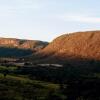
x=37, y=82
x=19, y=88
x=10, y=68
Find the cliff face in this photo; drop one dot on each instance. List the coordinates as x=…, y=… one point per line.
x=75, y=45
x=19, y=48
x=22, y=44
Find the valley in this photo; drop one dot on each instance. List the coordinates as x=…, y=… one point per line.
x=68, y=68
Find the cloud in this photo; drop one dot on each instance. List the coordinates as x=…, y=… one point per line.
x=81, y=18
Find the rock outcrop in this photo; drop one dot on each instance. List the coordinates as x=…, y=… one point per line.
x=10, y=47
x=22, y=44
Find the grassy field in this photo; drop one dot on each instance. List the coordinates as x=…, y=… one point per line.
x=12, y=68
x=44, y=83
x=21, y=87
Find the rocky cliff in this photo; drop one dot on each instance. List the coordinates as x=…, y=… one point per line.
x=13, y=47
x=22, y=44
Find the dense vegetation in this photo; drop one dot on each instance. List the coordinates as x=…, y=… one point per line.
x=14, y=52
x=22, y=87
x=50, y=83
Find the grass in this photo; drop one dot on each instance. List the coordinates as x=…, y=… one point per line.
x=27, y=80
x=7, y=68
x=21, y=88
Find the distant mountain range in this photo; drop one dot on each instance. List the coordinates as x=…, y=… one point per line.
x=10, y=47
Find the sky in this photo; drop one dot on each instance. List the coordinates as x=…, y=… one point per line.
x=47, y=19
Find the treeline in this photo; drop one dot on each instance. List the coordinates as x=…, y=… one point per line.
x=14, y=52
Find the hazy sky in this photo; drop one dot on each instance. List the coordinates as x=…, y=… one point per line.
x=47, y=19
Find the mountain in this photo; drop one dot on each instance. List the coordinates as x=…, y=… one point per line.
x=11, y=47
x=79, y=45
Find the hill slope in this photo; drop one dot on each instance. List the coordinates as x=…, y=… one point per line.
x=10, y=47
x=72, y=46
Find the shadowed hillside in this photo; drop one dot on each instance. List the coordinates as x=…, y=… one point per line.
x=10, y=47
